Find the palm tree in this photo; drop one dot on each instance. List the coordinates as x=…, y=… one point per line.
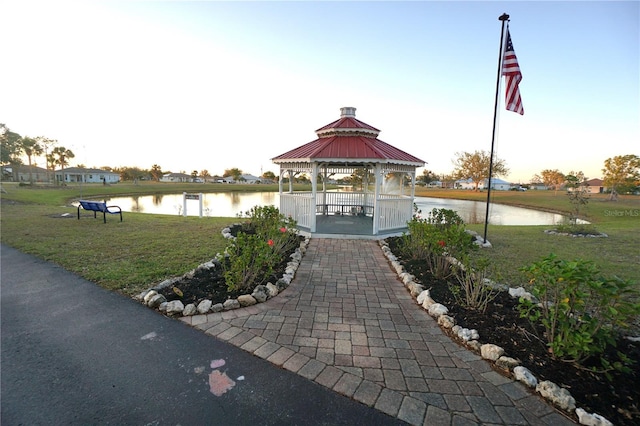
x=62, y=156
x=46, y=145
x=51, y=162
x=31, y=148
x=156, y=172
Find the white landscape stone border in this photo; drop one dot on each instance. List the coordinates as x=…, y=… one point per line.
x=153, y=299
x=557, y=395
x=569, y=234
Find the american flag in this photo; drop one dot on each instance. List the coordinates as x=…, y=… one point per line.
x=511, y=71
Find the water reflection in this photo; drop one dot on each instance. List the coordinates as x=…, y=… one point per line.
x=475, y=212
x=231, y=204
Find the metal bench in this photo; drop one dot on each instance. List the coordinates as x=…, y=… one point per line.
x=98, y=206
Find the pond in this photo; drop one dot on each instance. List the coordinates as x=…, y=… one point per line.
x=230, y=204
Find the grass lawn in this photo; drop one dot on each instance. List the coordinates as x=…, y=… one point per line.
x=517, y=246
x=145, y=249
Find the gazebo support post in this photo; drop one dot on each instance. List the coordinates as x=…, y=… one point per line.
x=324, y=189
x=376, y=198
x=314, y=192
x=290, y=173
x=413, y=192
x=365, y=187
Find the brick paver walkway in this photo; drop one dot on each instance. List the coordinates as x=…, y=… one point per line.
x=347, y=323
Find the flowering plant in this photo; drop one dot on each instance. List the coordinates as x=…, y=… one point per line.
x=259, y=247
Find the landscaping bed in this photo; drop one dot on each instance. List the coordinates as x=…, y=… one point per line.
x=617, y=399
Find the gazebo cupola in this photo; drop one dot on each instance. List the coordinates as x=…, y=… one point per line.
x=377, y=201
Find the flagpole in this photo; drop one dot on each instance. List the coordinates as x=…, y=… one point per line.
x=504, y=18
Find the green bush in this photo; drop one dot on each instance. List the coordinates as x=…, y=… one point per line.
x=580, y=310
x=258, y=248
x=436, y=238
x=473, y=288
x=250, y=261
x=577, y=228
x=264, y=219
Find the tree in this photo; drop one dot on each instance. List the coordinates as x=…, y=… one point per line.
x=156, y=172
x=31, y=148
x=427, y=177
x=475, y=166
x=47, y=144
x=51, y=161
x=9, y=146
x=235, y=173
x=360, y=176
x=578, y=194
x=574, y=179
x=61, y=156
x=194, y=175
x=205, y=174
x=552, y=179
x=269, y=175
x=621, y=172
x=131, y=173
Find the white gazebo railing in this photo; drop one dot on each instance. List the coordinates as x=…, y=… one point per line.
x=393, y=211
x=341, y=203
x=298, y=206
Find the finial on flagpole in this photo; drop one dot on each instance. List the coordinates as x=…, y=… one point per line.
x=504, y=17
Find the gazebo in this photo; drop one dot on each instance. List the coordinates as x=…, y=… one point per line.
x=379, y=200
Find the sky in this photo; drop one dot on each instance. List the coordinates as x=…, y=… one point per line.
x=213, y=85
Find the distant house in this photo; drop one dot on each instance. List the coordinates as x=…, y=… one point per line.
x=594, y=186
x=465, y=184
x=496, y=184
x=249, y=179
x=84, y=175
x=499, y=184
x=22, y=173
x=538, y=186
x=176, y=177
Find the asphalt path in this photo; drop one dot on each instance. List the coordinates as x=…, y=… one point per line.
x=76, y=354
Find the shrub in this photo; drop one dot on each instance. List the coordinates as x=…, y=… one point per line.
x=474, y=289
x=436, y=238
x=258, y=248
x=250, y=260
x=577, y=228
x=579, y=309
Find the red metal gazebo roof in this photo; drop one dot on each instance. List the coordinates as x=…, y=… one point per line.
x=345, y=140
